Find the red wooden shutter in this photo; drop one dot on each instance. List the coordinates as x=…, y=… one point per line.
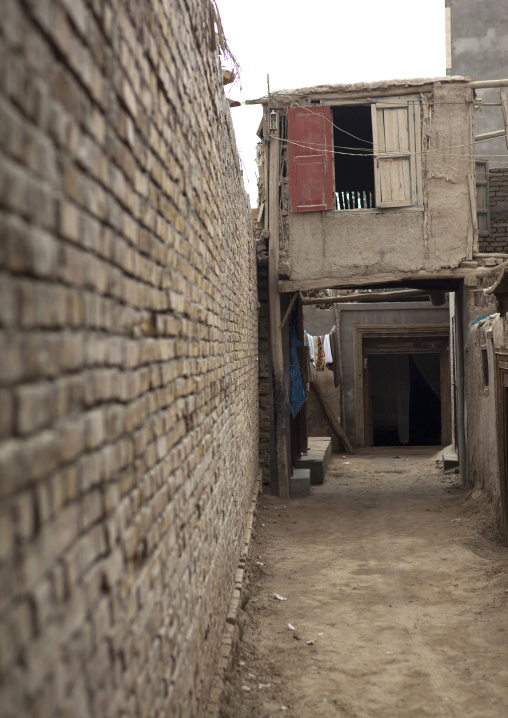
x=310, y=158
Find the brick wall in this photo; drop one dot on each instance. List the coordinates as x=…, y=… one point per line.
x=128, y=372
x=497, y=241
x=264, y=372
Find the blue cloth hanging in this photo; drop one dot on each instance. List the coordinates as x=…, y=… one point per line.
x=296, y=390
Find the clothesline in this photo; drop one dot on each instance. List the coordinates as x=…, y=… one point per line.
x=324, y=352
x=320, y=349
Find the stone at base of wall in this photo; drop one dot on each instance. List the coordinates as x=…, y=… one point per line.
x=317, y=458
x=299, y=483
x=233, y=630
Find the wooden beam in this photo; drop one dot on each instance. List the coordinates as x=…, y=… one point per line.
x=288, y=310
x=489, y=270
x=260, y=212
x=331, y=417
x=227, y=77
x=504, y=108
x=473, y=244
x=368, y=297
x=289, y=285
x=280, y=394
x=489, y=136
x=477, y=84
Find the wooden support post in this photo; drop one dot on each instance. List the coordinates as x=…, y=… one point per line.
x=331, y=417
x=504, y=108
x=460, y=324
x=280, y=396
x=288, y=310
x=472, y=244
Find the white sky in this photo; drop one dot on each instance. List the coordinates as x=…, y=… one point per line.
x=302, y=44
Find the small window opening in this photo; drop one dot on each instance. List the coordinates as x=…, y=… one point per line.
x=354, y=164
x=485, y=368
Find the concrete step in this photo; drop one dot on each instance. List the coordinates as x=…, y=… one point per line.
x=317, y=459
x=450, y=461
x=299, y=483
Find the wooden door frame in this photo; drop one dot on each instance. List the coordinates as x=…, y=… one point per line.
x=408, y=332
x=501, y=385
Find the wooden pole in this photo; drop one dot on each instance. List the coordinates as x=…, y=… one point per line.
x=473, y=244
x=369, y=297
x=280, y=396
x=288, y=310
x=477, y=84
x=341, y=434
x=489, y=136
x=504, y=108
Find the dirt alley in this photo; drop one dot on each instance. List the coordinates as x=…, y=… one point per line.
x=395, y=574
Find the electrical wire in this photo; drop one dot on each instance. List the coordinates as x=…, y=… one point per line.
x=437, y=149
x=322, y=149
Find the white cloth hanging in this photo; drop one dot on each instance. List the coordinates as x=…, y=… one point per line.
x=312, y=349
x=328, y=349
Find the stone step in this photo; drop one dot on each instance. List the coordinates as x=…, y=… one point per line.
x=450, y=461
x=317, y=458
x=299, y=483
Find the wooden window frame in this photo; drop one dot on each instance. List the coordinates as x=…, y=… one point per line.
x=412, y=103
x=412, y=108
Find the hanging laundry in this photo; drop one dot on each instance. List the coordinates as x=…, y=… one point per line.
x=336, y=358
x=296, y=389
x=328, y=349
x=320, y=355
x=308, y=341
x=321, y=350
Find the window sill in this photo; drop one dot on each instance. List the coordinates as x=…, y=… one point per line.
x=373, y=210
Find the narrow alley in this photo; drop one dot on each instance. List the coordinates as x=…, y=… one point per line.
x=395, y=592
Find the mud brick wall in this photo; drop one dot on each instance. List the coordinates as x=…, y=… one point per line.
x=264, y=372
x=128, y=368
x=497, y=241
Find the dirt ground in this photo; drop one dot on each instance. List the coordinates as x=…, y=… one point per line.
x=395, y=576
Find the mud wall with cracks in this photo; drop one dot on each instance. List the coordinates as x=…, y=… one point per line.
x=388, y=241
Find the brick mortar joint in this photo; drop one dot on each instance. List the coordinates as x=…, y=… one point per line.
x=229, y=643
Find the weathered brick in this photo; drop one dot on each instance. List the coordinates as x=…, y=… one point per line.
x=34, y=410
x=123, y=318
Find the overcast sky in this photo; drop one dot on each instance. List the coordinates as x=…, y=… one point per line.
x=312, y=43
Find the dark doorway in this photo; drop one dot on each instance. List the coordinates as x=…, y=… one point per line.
x=354, y=164
x=405, y=399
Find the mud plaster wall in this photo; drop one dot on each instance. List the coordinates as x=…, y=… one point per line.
x=481, y=415
x=483, y=462
x=398, y=241
x=383, y=313
x=128, y=372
